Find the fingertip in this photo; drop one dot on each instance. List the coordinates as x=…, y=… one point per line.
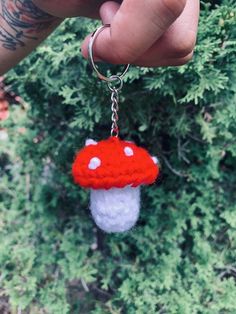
x=84, y=49
x=108, y=10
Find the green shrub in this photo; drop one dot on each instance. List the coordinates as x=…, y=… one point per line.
x=180, y=259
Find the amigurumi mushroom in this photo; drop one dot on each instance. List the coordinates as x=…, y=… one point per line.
x=114, y=170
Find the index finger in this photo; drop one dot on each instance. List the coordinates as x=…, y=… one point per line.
x=136, y=26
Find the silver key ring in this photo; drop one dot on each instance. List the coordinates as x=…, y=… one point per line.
x=112, y=78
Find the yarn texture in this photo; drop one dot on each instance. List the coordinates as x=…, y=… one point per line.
x=113, y=163
x=115, y=210
x=114, y=170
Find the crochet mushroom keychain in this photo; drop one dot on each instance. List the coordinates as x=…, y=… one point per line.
x=114, y=169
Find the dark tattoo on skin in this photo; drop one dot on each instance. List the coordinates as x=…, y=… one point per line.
x=22, y=20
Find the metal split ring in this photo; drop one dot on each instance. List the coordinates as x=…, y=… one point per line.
x=113, y=78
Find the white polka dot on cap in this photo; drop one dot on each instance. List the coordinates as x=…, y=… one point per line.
x=94, y=163
x=128, y=151
x=155, y=160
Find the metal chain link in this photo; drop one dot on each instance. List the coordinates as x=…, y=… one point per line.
x=115, y=85
x=114, y=109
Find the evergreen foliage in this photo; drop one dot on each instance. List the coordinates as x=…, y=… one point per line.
x=180, y=259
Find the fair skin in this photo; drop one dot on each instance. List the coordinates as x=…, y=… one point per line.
x=146, y=33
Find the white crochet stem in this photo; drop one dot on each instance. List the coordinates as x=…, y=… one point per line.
x=116, y=209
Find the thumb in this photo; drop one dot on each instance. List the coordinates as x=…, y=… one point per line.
x=107, y=12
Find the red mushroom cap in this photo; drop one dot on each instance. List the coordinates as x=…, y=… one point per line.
x=114, y=163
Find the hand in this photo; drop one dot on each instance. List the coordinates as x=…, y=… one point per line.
x=145, y=33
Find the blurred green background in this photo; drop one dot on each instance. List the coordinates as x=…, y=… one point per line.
x=180, y=258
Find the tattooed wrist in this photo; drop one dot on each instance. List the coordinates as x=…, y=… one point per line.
x=22, y=20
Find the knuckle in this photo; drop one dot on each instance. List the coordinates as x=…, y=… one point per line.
x=189, y=57
x=164, y=12
x=185, y=60
x=184, y=45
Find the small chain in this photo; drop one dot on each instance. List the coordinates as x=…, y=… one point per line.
x=114, y=109
x=114, y=82
x=115, y=86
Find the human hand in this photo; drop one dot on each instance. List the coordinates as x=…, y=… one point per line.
x=147, y=33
